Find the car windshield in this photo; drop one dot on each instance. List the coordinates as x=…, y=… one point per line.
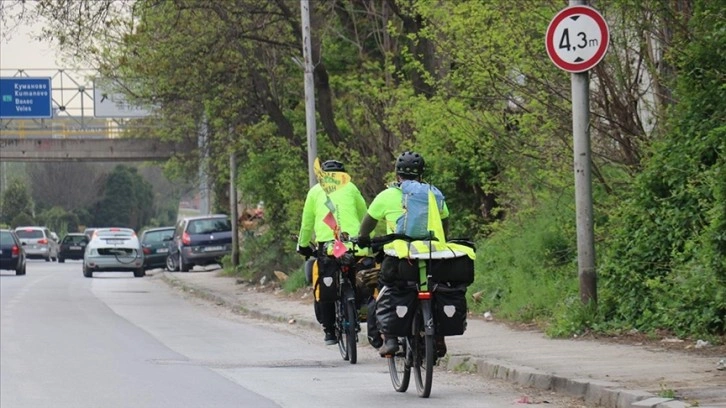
x=29, y=233
x=155, y=237
x=208, y=226
x=74, y=239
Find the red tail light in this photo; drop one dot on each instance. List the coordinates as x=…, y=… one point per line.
x=424, y=295
x=15, y=250
x=147, y=251
x=43, y=241
x=186, y=239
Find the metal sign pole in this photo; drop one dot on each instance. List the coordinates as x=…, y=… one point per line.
x=583, y=182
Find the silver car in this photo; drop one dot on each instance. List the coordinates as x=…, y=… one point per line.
x=113, y=250
x=38, y=242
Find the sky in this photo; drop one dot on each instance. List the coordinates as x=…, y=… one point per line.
x=21, y=51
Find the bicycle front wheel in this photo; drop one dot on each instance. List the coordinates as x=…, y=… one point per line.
x=340, y=330
x=351, y=330
x=399, y=366
x=423, y=356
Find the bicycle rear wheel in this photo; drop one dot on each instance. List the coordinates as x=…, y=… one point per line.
x=350, y=320
x=399, y=366
x=340, y=331
x=424, y=354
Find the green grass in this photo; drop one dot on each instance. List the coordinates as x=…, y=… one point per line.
x=295, y=281
x=526, y=271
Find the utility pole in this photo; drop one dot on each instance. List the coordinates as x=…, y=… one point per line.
x=309, y=90
x=233, y=202
x=204, y=189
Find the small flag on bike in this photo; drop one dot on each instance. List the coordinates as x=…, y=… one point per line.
x=330, y=221
x=339, y=249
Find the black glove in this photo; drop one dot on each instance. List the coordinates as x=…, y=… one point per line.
x=305, y=251
x=364, y=242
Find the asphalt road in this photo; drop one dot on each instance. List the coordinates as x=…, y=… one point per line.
x=120, y=341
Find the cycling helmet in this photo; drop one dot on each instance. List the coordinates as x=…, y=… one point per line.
x=333, y=165
x=410, y=164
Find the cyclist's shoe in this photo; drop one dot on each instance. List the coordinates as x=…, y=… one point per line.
x=330, y=338
x=390, y=347
x=440, y=345
x=375, y=341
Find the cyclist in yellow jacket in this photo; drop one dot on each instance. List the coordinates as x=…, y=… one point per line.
x=341, y=208
x=388, y=206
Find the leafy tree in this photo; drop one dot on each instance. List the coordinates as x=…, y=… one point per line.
x=21, y=219
x=59, y=220
x=69, y=185
x=15, y=200
x=668, y=249
x=126, y=201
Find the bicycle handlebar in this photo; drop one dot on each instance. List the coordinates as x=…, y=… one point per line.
x=376, y=243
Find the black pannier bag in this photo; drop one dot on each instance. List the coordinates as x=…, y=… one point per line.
x=450, y=309
x=395, y=308
x=396, y=269
x=325, y=276
x=454, y=270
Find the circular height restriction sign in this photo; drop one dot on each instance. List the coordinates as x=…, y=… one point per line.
x=577, y=38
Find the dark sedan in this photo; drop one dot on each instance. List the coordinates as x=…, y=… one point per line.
x=12, y=254
x=201, y=240
x=72, y=247
x=155, y=244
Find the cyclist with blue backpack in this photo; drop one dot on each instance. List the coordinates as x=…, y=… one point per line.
x=404, y=208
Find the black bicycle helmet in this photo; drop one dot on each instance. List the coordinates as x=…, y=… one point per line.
x=333, y=165
x=410, y=164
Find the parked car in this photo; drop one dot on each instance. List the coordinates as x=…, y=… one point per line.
x=38, y=242
x=155, y=244
x=73, y=246
x=12, y=254
x=113, y=250
x=200, y=240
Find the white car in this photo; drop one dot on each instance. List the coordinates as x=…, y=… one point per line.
x=38, y=242
x=113, y=250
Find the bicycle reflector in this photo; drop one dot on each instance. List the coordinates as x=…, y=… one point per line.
x=424, y=295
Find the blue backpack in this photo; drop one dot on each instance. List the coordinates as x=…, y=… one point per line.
x=414, y=221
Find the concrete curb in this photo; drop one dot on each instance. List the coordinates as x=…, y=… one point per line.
x=592, y=392
x=233, y=304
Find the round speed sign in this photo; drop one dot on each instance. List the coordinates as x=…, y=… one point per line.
x=577, y=38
